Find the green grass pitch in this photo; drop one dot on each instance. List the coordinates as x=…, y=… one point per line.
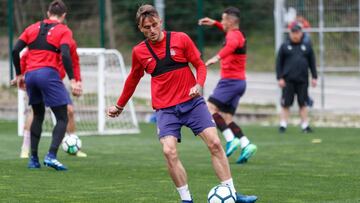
x=288, y=168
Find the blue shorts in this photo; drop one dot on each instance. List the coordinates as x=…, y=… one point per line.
x=44, y=85
x=227, y=93
x=193, y=114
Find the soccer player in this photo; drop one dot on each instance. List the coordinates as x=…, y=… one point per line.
x=46, y=41
x=226, y=95
x=175, y=96
x=295, y=58
x=70, y=107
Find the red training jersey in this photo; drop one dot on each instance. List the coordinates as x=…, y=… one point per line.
x=170, y=88
x=233, y=66
x=75, y=62
x=74, y=58
x=58, y=35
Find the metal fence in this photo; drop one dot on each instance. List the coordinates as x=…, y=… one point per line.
x=334, y=28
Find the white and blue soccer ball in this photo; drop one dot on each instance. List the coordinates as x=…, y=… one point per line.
x=221, y=194
x=71, y=144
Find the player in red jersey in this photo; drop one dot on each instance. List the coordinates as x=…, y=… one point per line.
x=175, y=96
x=71, y=126
x=47, y=40
x=232, y=85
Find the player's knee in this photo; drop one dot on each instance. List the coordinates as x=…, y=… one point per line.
x=62, y=122
x=227, y=117
x=39, y=117
x=215, y=145
x=70, y=110
x=170, y=152
x=70, y=114
x=212, y=108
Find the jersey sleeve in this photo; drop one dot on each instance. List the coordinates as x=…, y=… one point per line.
x=219, y=25
x=232, y=42
x=312, y=62
x=136, y=73
x=193, y=55
x=75, y=61
x=279, y=63
x=66, y=37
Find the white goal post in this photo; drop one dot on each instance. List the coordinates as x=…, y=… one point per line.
x=103, y=75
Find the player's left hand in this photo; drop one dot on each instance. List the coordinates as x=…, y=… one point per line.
x=212, y=60
x=19, y=81
x=195, y=91
x=13, y=82
x=114, y=111
x=313, y=82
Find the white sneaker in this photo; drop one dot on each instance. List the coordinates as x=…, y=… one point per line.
x=24, y=154
x=81, y=154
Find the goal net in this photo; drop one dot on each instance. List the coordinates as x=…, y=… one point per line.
x=103, y=75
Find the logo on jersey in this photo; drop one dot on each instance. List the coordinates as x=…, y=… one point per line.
x=303, y=47
x=49, y=33
x=149, y=59
x=289, y=47
x=172, y=52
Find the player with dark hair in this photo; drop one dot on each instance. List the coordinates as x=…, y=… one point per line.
x=71, y=126
x=46, y=41
x=175, y=96
x=226, y=95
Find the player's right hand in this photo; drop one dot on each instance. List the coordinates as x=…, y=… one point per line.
x=313, y=82
x=113, y=111
x=206, y=21
x=282, y=83
x=195, y=91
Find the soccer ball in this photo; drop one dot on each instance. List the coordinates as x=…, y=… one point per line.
x=71, y=144
x=221, y=194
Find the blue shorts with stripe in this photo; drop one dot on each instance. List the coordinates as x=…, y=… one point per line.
x=227, y=94
x=193, y=114
x=45, y=85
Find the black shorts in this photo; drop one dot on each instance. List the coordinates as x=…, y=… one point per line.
x=289, y=91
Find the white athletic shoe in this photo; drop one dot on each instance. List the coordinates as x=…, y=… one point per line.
x=24, y=154
x=81, y=154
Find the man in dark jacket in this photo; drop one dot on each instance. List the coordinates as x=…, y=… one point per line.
x=294, y=58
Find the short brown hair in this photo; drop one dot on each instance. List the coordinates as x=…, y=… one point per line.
x=145, y=11
x=57, y=7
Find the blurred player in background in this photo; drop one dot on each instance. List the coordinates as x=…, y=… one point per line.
x=295, y=58
x=175, y=96
x=71, y=127
x=232, y=85
x=304, y=24
x=46, y=41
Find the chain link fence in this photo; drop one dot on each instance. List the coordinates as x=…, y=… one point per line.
x=333, y=26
